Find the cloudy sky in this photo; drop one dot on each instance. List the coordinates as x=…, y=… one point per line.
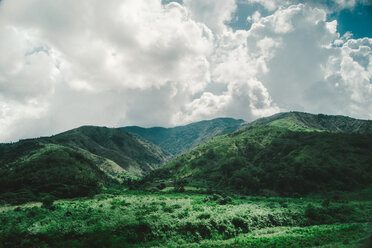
x=67, y=63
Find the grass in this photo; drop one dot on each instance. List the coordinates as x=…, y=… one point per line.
x=139, y=219
x=337, y=235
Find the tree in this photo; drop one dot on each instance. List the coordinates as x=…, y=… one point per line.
x=179, y=185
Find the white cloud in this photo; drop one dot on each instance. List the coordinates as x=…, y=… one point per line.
x=328, y=6
x=270, y=5
x=138, y=62
x=213, y=13
x=352, y=71
x=94, y=50
x=346, y=3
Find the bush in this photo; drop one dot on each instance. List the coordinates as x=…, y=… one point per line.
x=224, y=201
x=240, y=223
x=329, y=215
x=204, y=216
x=161, y=186
x=179, y=185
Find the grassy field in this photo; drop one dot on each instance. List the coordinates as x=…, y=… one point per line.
x=139, y=219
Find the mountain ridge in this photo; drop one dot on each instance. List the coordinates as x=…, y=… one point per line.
x=285, y=153
x=297, y=121
x=179, y=139
x=279, y=154
x=79, y=162
x=123, y=148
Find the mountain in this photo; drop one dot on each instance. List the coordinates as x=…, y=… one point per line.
x=78, y=162
x=180, y=139
x=298, y=121
x=285, y=154
x=48, y=170
x=130, y=152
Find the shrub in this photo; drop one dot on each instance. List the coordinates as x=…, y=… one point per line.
x=204, y=216
x=179, y=185
x=240, y=223
x=161, y=186
x=224, y=200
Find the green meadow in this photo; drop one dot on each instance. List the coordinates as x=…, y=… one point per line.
x=123, y=218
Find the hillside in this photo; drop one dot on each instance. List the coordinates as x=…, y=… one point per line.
x=266, y=157
x=50, y=171
x=298, y=121
x=130, y=152
x=79, y=162
x=68, y=190
x=180, y=139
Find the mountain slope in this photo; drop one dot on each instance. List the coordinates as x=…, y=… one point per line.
x=182, y=138
x=78, y=162
x=263, y=157
x=298, y=121
x=130, y=152
x=52, y=170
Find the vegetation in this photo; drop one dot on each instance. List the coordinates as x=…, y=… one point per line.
x=289, y=180
x=298, y=121
x=76, y=163
x=130, y=152
x=51, y=172
x=135, y=219
x=180, y=139
x=272, y=160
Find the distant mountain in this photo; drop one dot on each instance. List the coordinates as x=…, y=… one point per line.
x=298, y=121
x=180, y=139
x=286, y=154
x=75, y=163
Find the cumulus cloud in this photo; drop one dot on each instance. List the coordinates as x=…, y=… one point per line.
x=329, y=6
x=93, y=50
x=141, y=62
x=270, y=5
x=350, y=73
x=214, y=13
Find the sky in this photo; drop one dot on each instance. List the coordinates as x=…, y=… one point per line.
x=114, y=63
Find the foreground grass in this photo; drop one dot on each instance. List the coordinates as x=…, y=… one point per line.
x=336, y=235
x=135, y=219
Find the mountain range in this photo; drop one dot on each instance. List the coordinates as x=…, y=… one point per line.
x=82, y=161
x=287, y=153
x=78, y=162
x=180, y=139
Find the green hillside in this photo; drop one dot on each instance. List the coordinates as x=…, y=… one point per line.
x=180, y=139
x=278, y=159
x=275, y=182
x=298, y=121
x=130, y=152
x=50, y=171
x=79, y=162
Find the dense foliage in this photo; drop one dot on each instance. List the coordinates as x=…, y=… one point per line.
x=132, y=219
x=51, y=172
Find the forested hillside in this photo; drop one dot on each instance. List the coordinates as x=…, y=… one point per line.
x=290, y=153
x=180, y=139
